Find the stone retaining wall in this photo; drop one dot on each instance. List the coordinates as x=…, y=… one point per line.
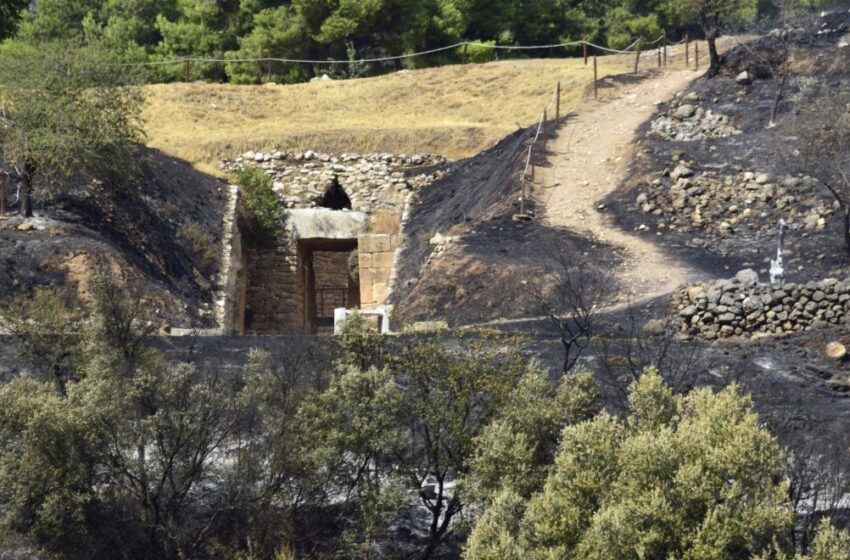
x=375, y=184
x=743, y=307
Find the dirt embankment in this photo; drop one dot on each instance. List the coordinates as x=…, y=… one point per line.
x=466, y=259
x=161, y=235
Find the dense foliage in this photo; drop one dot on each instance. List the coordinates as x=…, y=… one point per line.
x=71, y=113
x=343, y=30
x=262, y=204
x=380, y=448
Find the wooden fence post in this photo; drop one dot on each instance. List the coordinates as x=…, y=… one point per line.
x=558, y=102
x=637, y=56
x=664, y=43
x=187, y=69
x=3, y=178
x=595, y=80
x=659, y=57
x=584, y=49
x=465, y=48
x=543, y=130
x=687, y=51
x=696, y=54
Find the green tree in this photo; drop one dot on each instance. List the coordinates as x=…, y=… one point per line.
x=692, y=477
x=713, y=17
x=265, y=210
x=276, y=33
x=516, y=449
x=120, y=464
x=66, y=112
x=10, y=15
x=400, y=425
x=44, y=324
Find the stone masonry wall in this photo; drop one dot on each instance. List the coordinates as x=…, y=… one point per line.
x=742, y=307
x=377, y=183
x=272, y=299
x=377, y=256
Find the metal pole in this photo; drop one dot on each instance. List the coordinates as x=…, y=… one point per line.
x=665, y=49
x=687, y=51
x=186, y=69
x=584, y=48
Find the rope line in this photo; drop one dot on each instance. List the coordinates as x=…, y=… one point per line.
x=207, y=60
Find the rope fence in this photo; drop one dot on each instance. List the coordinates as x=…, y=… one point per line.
x=636, y=46
x=540, y=132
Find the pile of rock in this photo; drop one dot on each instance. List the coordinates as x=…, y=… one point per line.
x=723, y=205
x=373, y=183
x=743, y=307
x=688, y=122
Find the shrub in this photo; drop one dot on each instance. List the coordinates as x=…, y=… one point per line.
x=265, y=210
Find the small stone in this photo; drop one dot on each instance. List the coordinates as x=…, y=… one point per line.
x=743, y=77
x=685, y=111
x=681, y=171
x=654, y=327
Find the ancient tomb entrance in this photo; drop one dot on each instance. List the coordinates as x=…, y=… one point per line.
x=329, y=280
x=335, y=197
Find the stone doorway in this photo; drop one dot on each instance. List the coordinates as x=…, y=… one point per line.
x=330, y=280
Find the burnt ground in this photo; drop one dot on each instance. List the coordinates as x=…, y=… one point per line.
x=489, y=268
x=139, y=230
x=814, y=51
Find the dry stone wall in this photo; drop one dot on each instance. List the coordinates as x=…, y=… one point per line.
x=743, y=307
x=687, y=121
x=687, y=199
x=377, y=183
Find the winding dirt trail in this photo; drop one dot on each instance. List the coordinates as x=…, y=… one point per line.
x=589, y=159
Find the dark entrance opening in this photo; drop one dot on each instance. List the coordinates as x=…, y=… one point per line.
x=335, y=197
x=330, y=280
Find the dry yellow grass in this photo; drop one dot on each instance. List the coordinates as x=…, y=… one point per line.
x=455, y=111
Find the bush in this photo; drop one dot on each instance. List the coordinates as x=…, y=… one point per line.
x=265, y=210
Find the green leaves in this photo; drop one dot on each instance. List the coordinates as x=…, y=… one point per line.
x=69, y=112
x=265, y=210
x=693, y=477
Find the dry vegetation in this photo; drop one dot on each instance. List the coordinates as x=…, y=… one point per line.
x=455, y=110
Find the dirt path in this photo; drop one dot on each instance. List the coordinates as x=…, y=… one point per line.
x=589, y=160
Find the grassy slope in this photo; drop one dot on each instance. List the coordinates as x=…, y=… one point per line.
x=455, y=110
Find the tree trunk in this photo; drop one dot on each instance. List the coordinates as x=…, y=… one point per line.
x=26, y=188
x=713, y=55
x=26, y=200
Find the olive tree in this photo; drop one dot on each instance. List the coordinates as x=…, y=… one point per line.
x=693, y=476
x=712, y=16
x=66, y=111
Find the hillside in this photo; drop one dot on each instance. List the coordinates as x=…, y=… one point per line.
x=158, y=235
x=455, y=111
